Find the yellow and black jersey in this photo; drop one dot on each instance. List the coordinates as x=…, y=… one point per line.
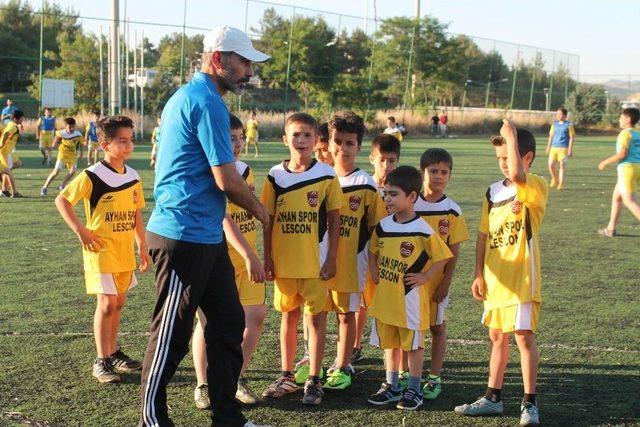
x=402, y=248
x=362, y=208
x=245, y=221
x=299, y=203
x=10, y=135
x=511, y=219
x=111, y=200
x=69, y=144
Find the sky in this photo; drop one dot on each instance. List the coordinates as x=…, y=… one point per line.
x=596, y=30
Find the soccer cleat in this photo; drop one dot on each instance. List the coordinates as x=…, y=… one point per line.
x=480, y=407
x=60, y=187
x=403, y=382
x=43, y=192
x=302, y=373
x=552, y=183
x=432, y=388
x=5, y=193
x=529, y=415
x=123, y=364
x=201, y=397
x=17, y=195
x=252, y=424
x=387, y=394
x=356, y=355
x=338, y=380
x=103, y=371
x=607, y=232
x=280, y=387
x=312, y=393
x=411, y=400
x=334, y=367
x=244, y=394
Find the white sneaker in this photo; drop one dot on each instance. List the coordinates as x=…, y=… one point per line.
x=529, y=415
x=252, y=424
x=480, y=407
x=201, y=397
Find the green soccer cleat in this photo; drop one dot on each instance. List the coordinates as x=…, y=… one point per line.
x=301, y=374
x=432, y=388
x=338, y=380
x=403, y=382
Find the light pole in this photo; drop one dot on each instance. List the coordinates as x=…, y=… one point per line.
x=546, y=99
x=606, y=108
x=488, y=85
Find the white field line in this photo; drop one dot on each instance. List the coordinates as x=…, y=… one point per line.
x=454, y=341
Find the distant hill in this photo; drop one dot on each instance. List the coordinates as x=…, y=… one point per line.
x=622, y=88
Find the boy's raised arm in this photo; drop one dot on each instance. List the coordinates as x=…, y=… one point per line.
x=514, y=162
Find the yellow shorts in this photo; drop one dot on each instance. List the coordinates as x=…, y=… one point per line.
x=6, y=161
x=109, y=283
x=250, y=293
x=68, y=162
x=519, y=317
x=389, y=336
x=46, y=139
x=628, y=178
x=290, y=294
x=253, y=139
x=558, y=154
x=437, y=312
x=343, y=302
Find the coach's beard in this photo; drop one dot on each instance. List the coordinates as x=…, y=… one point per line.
x=236, y=87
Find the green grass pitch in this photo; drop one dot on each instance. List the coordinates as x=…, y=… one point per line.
x=588, y=334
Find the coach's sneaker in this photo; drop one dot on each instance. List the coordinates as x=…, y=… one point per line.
x=123, y=364
x=403, y=380
x=411, y=400
x=356, y=355
x=244, y=394
x=387, y=394
x=480, y=407
x=201, y=397
x=43, y=192
x=529, y=415
x=312, y=393
x=280, y=387
x=338, y=379
x=103, y=371
x=432, y=388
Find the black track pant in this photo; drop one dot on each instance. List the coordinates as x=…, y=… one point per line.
x=188, y=276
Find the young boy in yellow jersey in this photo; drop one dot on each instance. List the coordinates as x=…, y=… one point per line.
x=91, y=139
x=155, y=139
x=303, y=197
x=70, y=140
x=240, y=229
x=362, y=209
x=628, y=158
x=445, y=218
x=113, y=202
x=45, y=130
x=8, y=159
x=252, y=134
x=560, y=147
x=405, y=253
x=321, y=147
x=508, y=270
x=392, y=128
x=384, y=157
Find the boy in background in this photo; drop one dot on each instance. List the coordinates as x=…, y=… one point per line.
x=392, y=128
x=155, y=139
x=91, y=138
x=8, y=159
x=560, y=147
x=252, y=134
x=45, y=130
x=70, y=141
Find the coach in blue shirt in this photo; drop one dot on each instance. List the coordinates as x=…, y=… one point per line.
x=195, y=170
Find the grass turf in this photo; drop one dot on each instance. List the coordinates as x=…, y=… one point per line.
x=588, y=331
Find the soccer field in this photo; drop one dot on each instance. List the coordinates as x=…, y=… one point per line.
x=588, y=334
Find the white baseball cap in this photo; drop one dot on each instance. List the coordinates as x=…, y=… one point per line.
x=229, y=39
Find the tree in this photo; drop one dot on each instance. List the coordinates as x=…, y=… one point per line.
x=587, y=103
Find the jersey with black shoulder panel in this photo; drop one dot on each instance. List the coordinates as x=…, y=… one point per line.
x=299, y=203
x=111, y=200
x=243, y=219
x=362, y=208
x=402, y=248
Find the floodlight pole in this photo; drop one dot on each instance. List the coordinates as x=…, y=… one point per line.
x=41, y=48
x=286, y=87
x=184, y=24
x=409, y=65
x=101, y=76
x=143, y=83
x=114, y=69
x=515, y=75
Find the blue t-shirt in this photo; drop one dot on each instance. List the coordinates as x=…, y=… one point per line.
x=91, y=128
x=561, y=134
x=48, y=124
x=195, y=136
x=9, y=111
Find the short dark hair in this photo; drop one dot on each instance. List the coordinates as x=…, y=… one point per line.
x=95, y=112
x=435, y=155
x=108, y=126
x=386, y=143
x=69, y=121
x=406, y=177
x=235, y=122
x=17, y=114
x=323, y=132
x=348, y=122
x=526, y=142
x=393, y=119
x=47, y=109
x=564, y=111
x=633, y=114
x=304, y=118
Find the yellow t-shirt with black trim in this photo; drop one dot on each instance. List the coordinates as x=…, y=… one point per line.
x=402, y=248
x=69, y=144
x=111, y=200
x=362, y=208
x=11, y=132
x=245, y=221
x=299, y=203
x=446, y=219
x=252, y=129
x=511, y=219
